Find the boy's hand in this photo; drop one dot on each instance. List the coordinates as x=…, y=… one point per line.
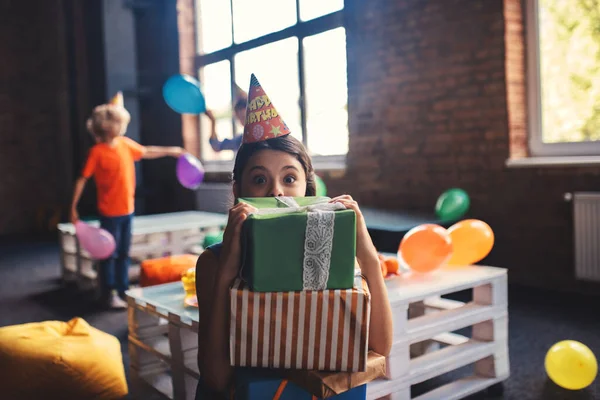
x=179, y=151
x=74, y=216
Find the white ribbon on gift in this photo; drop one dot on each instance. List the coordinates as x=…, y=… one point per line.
x=318, y=240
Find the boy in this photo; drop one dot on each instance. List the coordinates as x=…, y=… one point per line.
x=234, y=143
x=111, y=162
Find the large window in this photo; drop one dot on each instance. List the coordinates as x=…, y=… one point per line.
x=564, y=77
x=296, y=49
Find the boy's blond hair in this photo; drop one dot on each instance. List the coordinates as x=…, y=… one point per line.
x=108, y=121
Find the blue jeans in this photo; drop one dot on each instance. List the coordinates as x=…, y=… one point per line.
x=114, y=271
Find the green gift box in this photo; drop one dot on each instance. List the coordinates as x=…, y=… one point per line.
x=298, y=243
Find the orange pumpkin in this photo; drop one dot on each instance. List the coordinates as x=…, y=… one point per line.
x=166, y=269
x=393, y=267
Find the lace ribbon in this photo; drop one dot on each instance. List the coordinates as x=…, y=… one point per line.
x=318, y=238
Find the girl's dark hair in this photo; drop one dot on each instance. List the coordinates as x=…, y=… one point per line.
x=288, y=144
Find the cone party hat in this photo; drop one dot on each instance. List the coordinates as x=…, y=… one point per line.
x=263, y=122
x=117, y=100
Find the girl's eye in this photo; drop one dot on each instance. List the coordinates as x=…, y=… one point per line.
x=259, y=180
x=289, y=179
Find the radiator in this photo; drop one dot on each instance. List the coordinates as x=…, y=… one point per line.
x=214, y=197
x=586, y=218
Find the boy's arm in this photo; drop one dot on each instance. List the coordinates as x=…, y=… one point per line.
x=161, y=151
x=79, y=186
x=213, y=124
x=214, y=141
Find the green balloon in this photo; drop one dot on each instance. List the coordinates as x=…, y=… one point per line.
x=321, y=188
x=452, y=204
x=212, y=238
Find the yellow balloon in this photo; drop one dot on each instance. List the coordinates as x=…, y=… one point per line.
x=571, y=365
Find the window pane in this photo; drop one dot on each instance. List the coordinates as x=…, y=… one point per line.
x=252, y=19
x=326, y=92
x=214, y=25
x=216, y=86
x=569, y=71
x=276, y=68
x=311, y=9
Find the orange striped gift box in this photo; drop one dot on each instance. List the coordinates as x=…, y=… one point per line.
x=312, y=330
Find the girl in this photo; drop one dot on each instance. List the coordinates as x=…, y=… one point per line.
x=269, y=166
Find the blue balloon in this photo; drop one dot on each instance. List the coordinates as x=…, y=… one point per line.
x=182, y=93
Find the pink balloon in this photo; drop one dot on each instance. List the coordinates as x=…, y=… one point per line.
x=96, y=241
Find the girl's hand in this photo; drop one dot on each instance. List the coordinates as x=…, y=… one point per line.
x=365, y=250
x=231, y=254
x=381, y=329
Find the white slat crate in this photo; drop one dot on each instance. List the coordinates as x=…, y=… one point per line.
x=424, y=322
x=161, y=328
x=153, y=236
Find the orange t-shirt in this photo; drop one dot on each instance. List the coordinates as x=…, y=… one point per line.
x=113, y=169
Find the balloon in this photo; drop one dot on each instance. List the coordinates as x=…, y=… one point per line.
x=472, y=241
x=452, y=204
x=182, y=93
x=190, y=171
x=425, y=248
x=212, y=238
x=321, y=188
x=96, y=241
x=571, y=365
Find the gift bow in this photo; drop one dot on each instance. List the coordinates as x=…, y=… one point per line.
x=318, y=239
x=293, y=207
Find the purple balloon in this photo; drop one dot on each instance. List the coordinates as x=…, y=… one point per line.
x=96, y=241
x=190, y=171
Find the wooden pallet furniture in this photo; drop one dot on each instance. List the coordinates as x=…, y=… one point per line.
x=163, y=336
x=152, y=236
x=424, y=325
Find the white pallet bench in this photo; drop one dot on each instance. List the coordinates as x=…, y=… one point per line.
x=424, y=346
x=152, y=236
x=423, y=321
x=163, y=343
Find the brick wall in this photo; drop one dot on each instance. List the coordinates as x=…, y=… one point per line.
x=186, y=25
x=437, y=101
x=35, y=151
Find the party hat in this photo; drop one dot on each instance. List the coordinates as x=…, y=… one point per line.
x=262, y=119
x=117, y=100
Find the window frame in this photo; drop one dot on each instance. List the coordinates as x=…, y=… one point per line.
x=537, y=147
x=300, y=30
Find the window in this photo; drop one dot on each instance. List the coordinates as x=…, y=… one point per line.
x=564, y=77
x=299, y=57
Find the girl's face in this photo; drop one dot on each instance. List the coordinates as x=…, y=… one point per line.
x=271, y=173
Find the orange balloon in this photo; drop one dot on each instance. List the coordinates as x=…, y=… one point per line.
x=472, y=241
x=425, y=248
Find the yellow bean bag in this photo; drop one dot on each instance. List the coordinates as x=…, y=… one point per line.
x=60, y=360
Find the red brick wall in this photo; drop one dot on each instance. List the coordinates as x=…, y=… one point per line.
x=436, y=92
x=186, y=25
x=35, y=152
x=436, y=100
